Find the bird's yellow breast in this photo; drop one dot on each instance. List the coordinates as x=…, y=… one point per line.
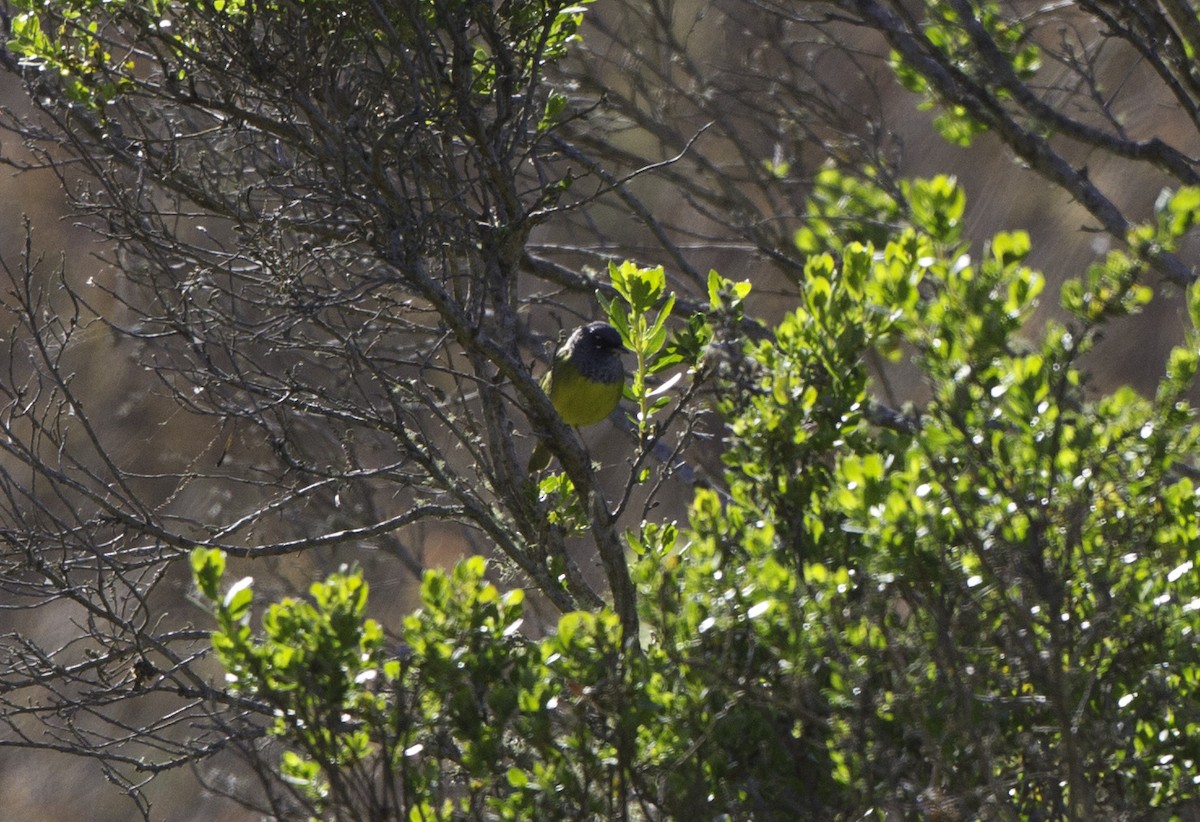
x=580, y=401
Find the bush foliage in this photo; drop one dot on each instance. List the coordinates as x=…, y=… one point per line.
x=986, y=606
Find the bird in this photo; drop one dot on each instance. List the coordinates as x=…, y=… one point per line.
x=585, y=382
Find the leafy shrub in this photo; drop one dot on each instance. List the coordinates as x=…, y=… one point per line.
x=983, y=607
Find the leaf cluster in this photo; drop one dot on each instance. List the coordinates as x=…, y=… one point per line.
x=464, y=715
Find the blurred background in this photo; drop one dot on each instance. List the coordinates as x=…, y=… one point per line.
x=140, y=421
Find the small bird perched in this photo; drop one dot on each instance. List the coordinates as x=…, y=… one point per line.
x=585, y=381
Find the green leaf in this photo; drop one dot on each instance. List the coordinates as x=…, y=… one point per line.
x=641, y=288
x=1010, y=248
x=238, y=599
x=208, y=567
x=517, y=778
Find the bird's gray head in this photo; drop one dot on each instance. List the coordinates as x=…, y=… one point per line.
x=595, y=349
